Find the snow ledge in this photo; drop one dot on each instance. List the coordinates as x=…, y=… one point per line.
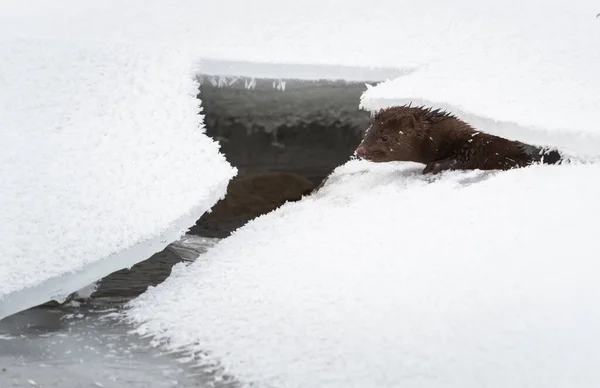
x=59, y=287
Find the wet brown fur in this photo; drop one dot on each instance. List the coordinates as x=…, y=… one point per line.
x=441, y=141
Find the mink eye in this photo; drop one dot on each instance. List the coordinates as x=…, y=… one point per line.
x=384, y=138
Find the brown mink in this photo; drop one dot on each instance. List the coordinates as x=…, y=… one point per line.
x=443, y=142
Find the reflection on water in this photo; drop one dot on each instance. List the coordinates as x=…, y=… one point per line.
x=82, y=346
x=130, y=283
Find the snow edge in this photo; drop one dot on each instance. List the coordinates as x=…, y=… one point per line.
x=61, y=286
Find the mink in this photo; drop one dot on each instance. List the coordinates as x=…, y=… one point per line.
x=442, y=142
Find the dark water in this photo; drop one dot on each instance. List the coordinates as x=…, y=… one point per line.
x=130, y=283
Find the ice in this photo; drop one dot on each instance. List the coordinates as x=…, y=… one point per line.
x=190, y=246
x=251, y=70
x=87, y=291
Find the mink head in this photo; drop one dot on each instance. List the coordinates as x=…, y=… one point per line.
x=394, y=134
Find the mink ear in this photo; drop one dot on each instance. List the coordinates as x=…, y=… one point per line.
x=409, y=122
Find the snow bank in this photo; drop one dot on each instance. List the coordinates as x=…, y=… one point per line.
x=387, y=278
x=104, y=163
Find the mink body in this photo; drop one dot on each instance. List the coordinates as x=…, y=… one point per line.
x=443, y=142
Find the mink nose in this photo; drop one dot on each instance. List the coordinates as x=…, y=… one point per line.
x=361, y=151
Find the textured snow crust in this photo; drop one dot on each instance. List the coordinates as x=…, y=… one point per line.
x=103, y=150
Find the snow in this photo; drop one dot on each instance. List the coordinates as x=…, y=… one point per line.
x=98, y=105
x=384, y=277
x=530, y=64
x=311, y=32
x=394, y=34
x=388, y=278
x=104, y=151
x=97, y=102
